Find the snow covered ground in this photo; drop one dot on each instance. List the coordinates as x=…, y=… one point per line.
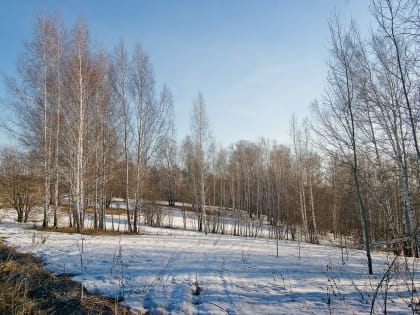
x=160, y=270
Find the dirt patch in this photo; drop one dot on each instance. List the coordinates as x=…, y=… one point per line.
x=27, y=288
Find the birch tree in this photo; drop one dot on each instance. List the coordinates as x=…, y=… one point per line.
x=81, y=89
x=337, y=116
x=200, y=134
x=32, y=93
x=120, y=76
x=397, y=21
x=168, y=158
x=298, y=151
x=152, y=120
x=395, y=48
x=45, y=37
x=58, y=45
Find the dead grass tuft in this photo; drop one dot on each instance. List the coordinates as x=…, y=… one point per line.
x=27, y=288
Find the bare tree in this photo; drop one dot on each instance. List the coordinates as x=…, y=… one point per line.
x=34, y=99
x=394, y=47
x=168, y=162
x=81, y=83
x=200, y=135
x=80, y=38
x=337, y=119
x=20, y=181
x=142, y=94
x=152, y=120
x=395, y=19
x=120, y=84
x=299, y=152
x=45, y=35
x=312, y=166
x=58, y=46
x=189, y=176
x=102, y=137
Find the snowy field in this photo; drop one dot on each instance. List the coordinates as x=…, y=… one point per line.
x=160, y=270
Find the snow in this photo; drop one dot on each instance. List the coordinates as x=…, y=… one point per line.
x=159, y=271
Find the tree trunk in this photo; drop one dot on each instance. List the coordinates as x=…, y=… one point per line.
x=312, y=205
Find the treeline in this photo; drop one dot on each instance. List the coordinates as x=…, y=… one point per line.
x=93, y=126
x=85, y=115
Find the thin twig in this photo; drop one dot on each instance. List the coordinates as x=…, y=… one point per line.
x=380, y=283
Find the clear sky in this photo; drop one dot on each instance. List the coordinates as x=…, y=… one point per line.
x=256, y=62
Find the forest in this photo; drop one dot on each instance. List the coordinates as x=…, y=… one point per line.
x=93, y=126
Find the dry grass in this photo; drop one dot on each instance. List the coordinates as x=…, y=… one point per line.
x=90, y=210
x=109, y=211
x=27, y=288
x=209, y=210
x=187, y=208
x=84, y=231
x=5, y=205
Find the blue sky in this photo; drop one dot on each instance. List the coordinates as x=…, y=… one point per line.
x=255, y=61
